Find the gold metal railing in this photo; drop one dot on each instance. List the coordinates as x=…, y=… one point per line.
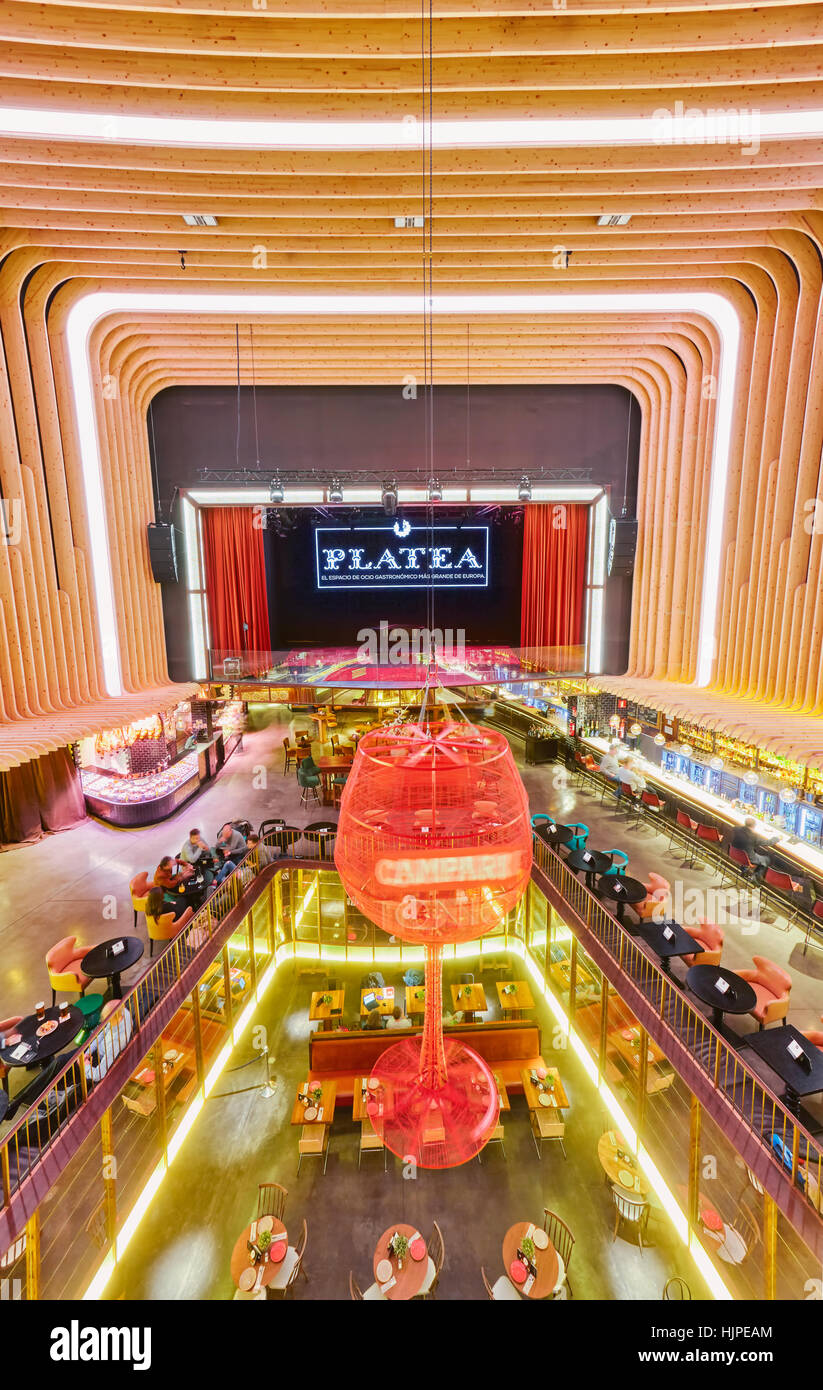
x=760, y=1109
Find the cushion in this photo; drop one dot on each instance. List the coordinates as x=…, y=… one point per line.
x=504, y=1289
x=374, y=1294
x=286, y=1269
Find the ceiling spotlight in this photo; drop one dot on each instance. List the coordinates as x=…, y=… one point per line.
x=524, y=489
x=389, y=498
x=614, y=219
x=335, y=490
x=199, y=219
x=435, y=490
x=276, y=489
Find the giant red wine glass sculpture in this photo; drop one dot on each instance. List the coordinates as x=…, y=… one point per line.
x=434, y=845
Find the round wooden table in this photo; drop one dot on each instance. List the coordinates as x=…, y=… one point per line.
x=240, y=1258
x=410, y=1278
x=545, y=1262
x=607, y=1146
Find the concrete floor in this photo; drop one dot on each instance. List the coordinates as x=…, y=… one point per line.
x=183, y=1246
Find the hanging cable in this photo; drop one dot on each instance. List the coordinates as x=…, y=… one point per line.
x=254, y=397
x=628, y=437
x=237, y=431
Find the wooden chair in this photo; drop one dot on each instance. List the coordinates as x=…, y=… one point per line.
x=370, y=1142
x=563, y=1242
x=503, y=1290
x=291, y=1267
x=632, y=1210
x=547, y=1124
x=290, y=758
x=271, y=1200
x=372, y=1294
x=676, y=1290
x=437, y=1254
x=496, y=1137
x=313, y=1143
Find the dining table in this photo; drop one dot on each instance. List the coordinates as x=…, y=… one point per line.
x=415, y=1000
x=589, y=862
x=247, y=1275
x=402, y=1279
x=621, y=889
x=317, y=1110
x=471, y=998
x=326, y=1006
x=514, y=996
x=546, y=1263
x=619, y=1163
x=385, y=1000
x=329, y=768
x=110, y=958
x=34, y=1041
x=549, y=1086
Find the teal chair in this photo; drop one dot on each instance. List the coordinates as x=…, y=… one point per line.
x=541, y=816
x=580, y=837
x=309, y=782
x=620, y=861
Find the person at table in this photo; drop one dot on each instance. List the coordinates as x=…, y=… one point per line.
x=744, y=837
x=171, y=876
x=372, y=1021
x=196, y=852
x=266, y=854
x=609, y=763
x=159, y=903
x=397, y=1019
x=231, y=842
x=226, y=865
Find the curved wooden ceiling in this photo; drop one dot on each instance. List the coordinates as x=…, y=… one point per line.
x=744, y=220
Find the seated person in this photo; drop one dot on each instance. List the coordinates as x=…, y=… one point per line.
x=171, y=876
x=159, y=903
x=372, y=1021
x=196, y=852
x=226, y=865
x=744, y=837
x=266, y=854
x=232, y=842
x=609, y=763
x=108, y=1045
x=397, y=1019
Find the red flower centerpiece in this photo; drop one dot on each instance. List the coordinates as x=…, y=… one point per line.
x=434, y=845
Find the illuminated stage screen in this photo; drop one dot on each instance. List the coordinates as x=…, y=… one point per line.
x=332, y=575
x=401, y=555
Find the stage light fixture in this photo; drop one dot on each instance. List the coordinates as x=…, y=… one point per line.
x=524, y=489
x=276, y=489
x=389, y=498
x=335, y=490
x=435, y=490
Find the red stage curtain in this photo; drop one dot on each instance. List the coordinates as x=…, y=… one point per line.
x=554, y=572
x=235, y=580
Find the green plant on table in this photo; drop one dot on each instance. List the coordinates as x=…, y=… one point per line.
x=316, y=1093
x=400, y=1246
x=327, y=999
x=264, y=1241
x=527, y=1246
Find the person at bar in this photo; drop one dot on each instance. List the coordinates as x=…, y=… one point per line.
x=744, y=837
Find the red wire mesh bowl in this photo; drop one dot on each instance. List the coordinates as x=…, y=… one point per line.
x=439, y=1123
x=434, y=840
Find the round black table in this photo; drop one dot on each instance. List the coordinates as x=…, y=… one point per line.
x=739, y=998
x=623, y=890
x=101, y=962
x=554, y=835
x=589, y=862
x=667, y=939
x=286, y=837
x=322, y=831
x=41, y=1049
x=193, y=892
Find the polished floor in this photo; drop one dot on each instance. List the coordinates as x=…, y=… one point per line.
x=182, y=1248
x=77, y=882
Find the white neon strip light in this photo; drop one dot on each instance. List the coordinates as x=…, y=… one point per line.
x=678, y=126
x=94, y=306
x=601, y=530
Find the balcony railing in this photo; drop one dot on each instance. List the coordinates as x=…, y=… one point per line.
x=715, y=1069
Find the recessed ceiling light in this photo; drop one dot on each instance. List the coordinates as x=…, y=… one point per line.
x=199, y=219
x=614, y=219
x=409, y=222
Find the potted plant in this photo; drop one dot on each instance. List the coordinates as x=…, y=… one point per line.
x=527, y=1246
x=327, y=999
x=316, y=1093
x=400, y=1246
x=264, y=1241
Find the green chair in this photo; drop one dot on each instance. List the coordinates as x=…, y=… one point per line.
x=620, y=861
x=309, y=782
x=90, y=1006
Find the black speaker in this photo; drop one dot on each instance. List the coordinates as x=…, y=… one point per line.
x=622, y=546
x=162, y=552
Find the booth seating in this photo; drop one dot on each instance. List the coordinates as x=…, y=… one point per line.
x=508, y=1047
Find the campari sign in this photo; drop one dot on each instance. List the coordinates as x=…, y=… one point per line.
x=401, y=555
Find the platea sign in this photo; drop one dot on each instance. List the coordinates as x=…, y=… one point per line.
x=402, y=556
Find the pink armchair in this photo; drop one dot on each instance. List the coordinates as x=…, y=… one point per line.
x=710, y=940
x=772, y=985
x=63, y=965
x=139, y=889
x=659, y=895
x=165, y=928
